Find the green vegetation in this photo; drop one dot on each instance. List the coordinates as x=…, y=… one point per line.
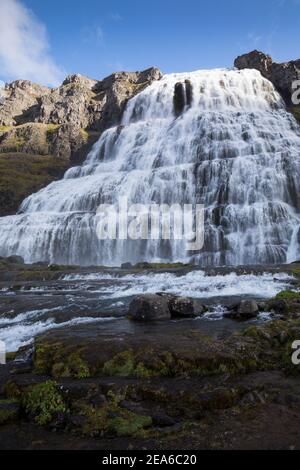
x=23, y=174
x=5, y=128
x=42, y=401
x=60, y=361
x=8, y=411
x=112, y=419
x=295, y=110
x=288, y=295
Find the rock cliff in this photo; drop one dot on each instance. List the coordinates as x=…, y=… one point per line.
x=281, y=75
x=59, y=123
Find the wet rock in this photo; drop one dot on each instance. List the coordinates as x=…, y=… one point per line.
x=245, y=310
x=162, y=420
x=179, y=98
x=126, y=266
x=59, y=420
x=15, y=260
x=278, y=306
x=149, y=307
x=183, y=307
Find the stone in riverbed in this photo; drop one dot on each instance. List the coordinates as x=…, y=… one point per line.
x=245, y=310
x=149, y=307
x=183, y=307
x=126, y=266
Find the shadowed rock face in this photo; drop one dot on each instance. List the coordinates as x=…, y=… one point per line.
x=281, y=75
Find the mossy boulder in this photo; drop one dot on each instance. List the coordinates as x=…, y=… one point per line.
x=43, y=401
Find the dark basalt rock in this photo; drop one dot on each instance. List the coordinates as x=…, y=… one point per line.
x=183, y=96
x=179, y=98
x=183, y=307
x=149, y=307
x=245, y=310
x=126, y=266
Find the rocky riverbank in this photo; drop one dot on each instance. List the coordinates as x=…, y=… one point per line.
x=169, y=384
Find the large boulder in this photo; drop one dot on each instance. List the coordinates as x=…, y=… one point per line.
x=183, y=307
x=245, y=310
x=282, y=75
x=149, y=307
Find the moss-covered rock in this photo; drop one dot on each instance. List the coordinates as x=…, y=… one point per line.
x=23, y=174
x=9, y=411
x=42, y=401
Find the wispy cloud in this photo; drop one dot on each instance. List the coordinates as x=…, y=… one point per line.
x=254, y=39
x=116, y=17
x=24, y=46
x=93, y=35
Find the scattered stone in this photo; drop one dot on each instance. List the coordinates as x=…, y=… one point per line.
x=245, y=310
x=126, y=266
x=149, y=307
x=162, y=420
x=183, y=307
x=15, y=260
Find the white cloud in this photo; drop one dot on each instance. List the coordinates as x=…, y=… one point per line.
x=93, y=35
x=24, y=47
x=116, y=17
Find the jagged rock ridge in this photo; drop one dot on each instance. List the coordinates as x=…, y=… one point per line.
x=281, y=75
x=59, y=123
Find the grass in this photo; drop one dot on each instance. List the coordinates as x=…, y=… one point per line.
x=23, y=174
x=288, y=295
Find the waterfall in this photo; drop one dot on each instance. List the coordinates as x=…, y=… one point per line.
x=229, y=144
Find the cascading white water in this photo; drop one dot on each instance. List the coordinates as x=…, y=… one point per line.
x=234, y=148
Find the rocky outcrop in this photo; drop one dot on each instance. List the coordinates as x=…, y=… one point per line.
x=281, y=75
x=162, y=306
x=61, y=123
x=245, y=310
x=149, y=307
x=79, y=108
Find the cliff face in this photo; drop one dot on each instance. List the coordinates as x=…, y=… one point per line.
x=281, y=75
x=61, y=123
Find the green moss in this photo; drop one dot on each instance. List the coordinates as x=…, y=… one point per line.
x=288, y=295
x=8, y=412
x=12, y=390
x=55, y=359
x=23, y=174
x=84, y=134
x=295, y=110
x=42, y=401
x=111, y=419
x=6, y=128
x=73, y=366
x=51, y=129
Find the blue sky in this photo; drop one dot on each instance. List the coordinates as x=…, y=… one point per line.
x=95, y=37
